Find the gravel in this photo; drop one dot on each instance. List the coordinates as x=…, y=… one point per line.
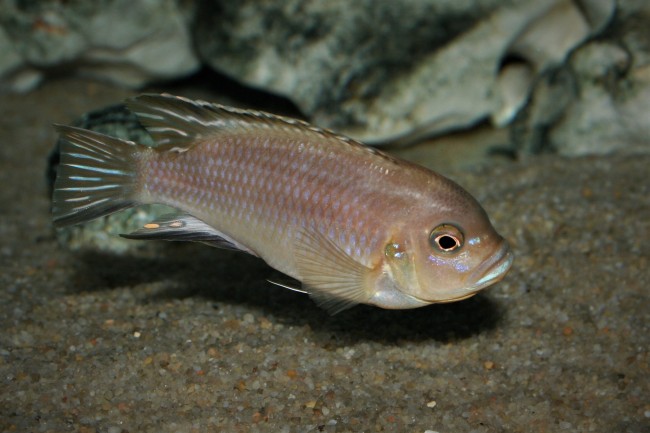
x=185, y=338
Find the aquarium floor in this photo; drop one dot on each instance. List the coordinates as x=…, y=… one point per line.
x=186, y=338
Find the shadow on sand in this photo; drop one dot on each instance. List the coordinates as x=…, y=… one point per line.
x=226, y=277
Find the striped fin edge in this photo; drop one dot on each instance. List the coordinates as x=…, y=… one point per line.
x=177, y=123
x=96, y=176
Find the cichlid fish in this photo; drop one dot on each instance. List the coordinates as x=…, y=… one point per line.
x=353, y=224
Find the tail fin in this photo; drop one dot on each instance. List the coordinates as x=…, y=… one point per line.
x=96, y=177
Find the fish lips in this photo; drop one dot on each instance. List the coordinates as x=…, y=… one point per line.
x=493, y=269
x=489, y=272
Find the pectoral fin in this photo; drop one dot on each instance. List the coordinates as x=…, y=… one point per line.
x=332, y=277
x=184, y=227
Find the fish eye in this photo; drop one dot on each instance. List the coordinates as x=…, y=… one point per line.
x=446, y=238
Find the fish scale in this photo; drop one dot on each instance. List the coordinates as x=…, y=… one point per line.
x=272, y=200
x=351, y=223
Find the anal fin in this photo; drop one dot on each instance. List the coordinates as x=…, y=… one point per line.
x=185, y=227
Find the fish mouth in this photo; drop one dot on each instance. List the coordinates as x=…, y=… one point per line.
x=489, y=272
x=494, y=268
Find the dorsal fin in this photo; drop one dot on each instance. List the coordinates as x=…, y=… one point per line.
x=177, y=123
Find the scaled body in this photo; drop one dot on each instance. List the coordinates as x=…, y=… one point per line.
x=353, y=224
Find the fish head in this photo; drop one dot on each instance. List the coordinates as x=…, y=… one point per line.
x=442, y=254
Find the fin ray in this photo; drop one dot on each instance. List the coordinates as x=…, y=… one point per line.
x=97, y=176
x=177, y=123
x=185, y=227
x=291, y=286
x=333, y=279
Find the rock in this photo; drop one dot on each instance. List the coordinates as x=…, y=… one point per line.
x=599, y=102
x=545, y=43
x=14, y=74
x=122, y=41
x=393, y=70
x=552, y=94
x=606, y=117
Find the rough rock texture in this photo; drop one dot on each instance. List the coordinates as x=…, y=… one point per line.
x=609, y=115
x=384, y=70
x=128, y=42
x=599, y=101
x=186, y=338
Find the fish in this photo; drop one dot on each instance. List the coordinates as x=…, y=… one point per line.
x=352, y=224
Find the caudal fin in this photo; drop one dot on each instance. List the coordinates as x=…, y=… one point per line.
x=96, y=177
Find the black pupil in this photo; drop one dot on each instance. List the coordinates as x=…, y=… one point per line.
x=447, y=242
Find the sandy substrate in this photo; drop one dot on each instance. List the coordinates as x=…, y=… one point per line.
x=186, y=338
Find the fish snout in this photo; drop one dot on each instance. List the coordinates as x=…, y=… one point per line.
x=494, y=268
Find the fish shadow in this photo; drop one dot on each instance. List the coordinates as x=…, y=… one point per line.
x=182, y=270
